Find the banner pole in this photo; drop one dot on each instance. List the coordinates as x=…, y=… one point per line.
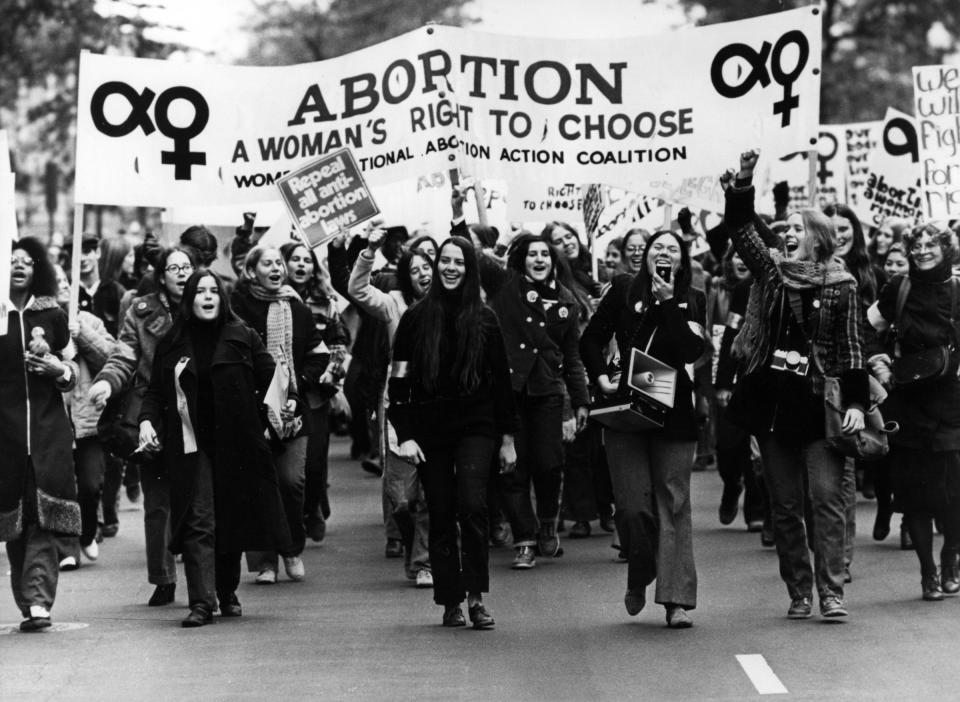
x=812, y=161
x=594, y=261
x=667, y=214
x=75, y=252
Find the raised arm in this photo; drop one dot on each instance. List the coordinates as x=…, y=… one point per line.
x=370, y=299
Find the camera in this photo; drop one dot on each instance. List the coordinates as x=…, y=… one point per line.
x=790, y=362
x=663, y=271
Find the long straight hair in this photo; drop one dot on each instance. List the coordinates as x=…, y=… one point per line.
x=429, y=319
x=184, y=319
x=857, y=258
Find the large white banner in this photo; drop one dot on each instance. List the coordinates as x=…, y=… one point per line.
x=936, y=106
x=892, y=184
x=616, y=111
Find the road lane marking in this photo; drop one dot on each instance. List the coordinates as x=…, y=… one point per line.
x=761, y=674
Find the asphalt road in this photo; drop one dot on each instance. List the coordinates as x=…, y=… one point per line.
x=356, y=629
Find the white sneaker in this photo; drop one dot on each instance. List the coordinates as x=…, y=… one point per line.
x=91, y=551
x=294, y=568
x=69, y=563
x=424, y=578
x=267, y=576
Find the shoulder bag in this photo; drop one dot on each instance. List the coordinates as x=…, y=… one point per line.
x=870, y=443
x=926, y=366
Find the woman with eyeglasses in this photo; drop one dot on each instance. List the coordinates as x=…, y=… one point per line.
x=128, y=369
x=919, y=312
x=38, y=489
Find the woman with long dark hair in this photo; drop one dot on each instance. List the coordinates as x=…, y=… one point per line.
x=148, y=318
x=311, y=282
x=656, y=311
x=264, y=300
x=565, y=238
x=203, y=415
x=802, y=325
x=38, y=489
x=451, y=405
x=539, y=318
x=114, y=252
x=919, y=312
x=852, y=249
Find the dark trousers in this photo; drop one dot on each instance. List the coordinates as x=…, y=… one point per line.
x=651, y=488
x=112, y=480
x=735, y=466
x=587, y=492
x=454, y=478
x=161, y=566
x=34, y=568
x=209, y=574
x=34, y=556
x=791, y=473
x=291, y=465
x=540, y=462
x=316, y=503
x=89, y=466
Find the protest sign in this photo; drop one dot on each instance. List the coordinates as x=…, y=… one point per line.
x=936, y=106
x=546, y=202
x=892, y=187
x=611, y=111
x=861, y=140
x=830, y=171
x=327, y=196
x=8, y=234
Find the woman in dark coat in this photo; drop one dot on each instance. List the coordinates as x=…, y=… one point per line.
x=311, y=282
x=650, y=468
x=540, y=322
x=265, y=301
x=925, y=454
x=451, y=405
x=204, y=412
x=38, y=490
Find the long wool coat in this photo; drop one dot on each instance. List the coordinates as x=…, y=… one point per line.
x=35, y=428
x=249, y=513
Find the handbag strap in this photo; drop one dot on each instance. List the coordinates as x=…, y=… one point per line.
x=902, y=292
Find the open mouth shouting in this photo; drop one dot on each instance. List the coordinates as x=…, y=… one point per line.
x=299, y=275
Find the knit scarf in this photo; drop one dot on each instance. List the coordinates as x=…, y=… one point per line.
x=279, y=336
x=752, y=344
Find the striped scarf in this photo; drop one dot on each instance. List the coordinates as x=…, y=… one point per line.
x=279, y=340
x=753, y=343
